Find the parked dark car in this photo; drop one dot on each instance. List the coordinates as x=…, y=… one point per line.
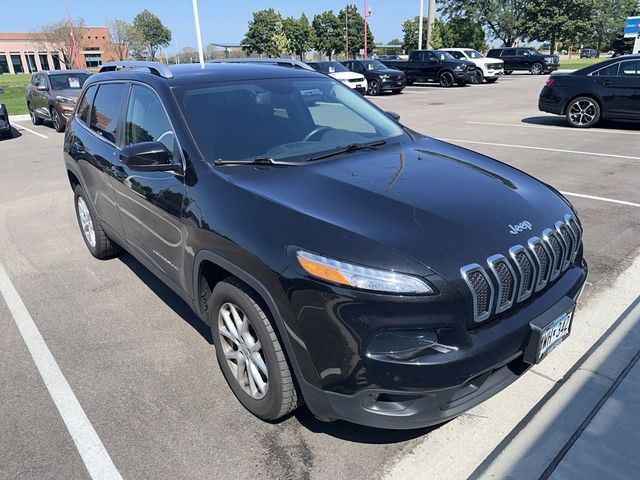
x=380, y=78
x=434, y=66
x=606, y=90
x=527, y=59
x=588, y=53
x=51, y=96
x=389, y=57
x=385, y=277
x=5, y=124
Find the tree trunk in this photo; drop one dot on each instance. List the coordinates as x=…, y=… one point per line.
x=552, y=48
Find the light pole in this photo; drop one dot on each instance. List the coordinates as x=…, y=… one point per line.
x=420, y=24
x=367, y=14
x=196, y=20
x=346, y=32
x=430, y=19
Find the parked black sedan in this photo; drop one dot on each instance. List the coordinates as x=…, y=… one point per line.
x=609, y=90
x=380, y=78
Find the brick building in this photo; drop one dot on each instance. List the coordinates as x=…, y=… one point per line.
x=24, y=53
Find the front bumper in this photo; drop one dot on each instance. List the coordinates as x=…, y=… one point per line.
x=493, y=73
x=393, y=84
x=462, y=77
x=402, y=395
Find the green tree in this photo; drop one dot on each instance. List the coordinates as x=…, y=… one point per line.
x=552, y=21
x=394, y=50
x=504, y=19
x=328, y=33
x=608, y=21
x=410, y=33
x=355, y=23
x=300, y=34
x=265, y=35
x=125, y=39
x=152, y=32
x=463, y=32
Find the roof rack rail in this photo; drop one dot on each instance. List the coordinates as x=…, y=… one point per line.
x=283, y=62
x=156, y=68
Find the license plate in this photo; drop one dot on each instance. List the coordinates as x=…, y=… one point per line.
x=554, y=334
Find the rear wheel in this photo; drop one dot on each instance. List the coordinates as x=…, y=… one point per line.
x=373, y=88
x=583, y=112
x=58, y=123
x=445, y=79
x=98, y=243
x=491, y=80
x=35, y=119
x=249, y=351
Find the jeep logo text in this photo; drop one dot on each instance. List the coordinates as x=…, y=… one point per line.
x=520, y=227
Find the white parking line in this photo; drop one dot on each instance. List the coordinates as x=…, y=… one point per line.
x=20, y=128
x=528, y=147
x=91, y=449
x=602, y=199
x=559, y=128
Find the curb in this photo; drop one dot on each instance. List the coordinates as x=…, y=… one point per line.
x=539, y=442
x=19, y=118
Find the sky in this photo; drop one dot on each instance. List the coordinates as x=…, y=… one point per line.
x=221, y=21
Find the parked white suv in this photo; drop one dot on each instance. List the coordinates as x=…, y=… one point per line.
x=488, y=69
x=338, y=71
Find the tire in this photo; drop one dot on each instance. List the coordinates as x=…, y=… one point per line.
x=446, y=79
x=583, y=112
x=537, y=69
x=279, y=394
x=508, y=72
x=478, y=77
x=410, y=82
x=397, y=91
x=491, y=80
x=35, y=119
x=58, y=123
x=98, y=243
x=373, y=88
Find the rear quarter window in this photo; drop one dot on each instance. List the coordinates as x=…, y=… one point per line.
x=82, y=113
x=106, y=110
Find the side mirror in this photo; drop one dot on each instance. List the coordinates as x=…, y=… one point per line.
x=148, y=157
x=394, y=116
x=42, y=88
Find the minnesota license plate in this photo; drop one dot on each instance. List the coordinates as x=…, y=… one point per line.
x=554, y=334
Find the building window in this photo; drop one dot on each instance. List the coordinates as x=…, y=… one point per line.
x=92, y=49
x=17, y=63
x=4, y=66
x=31, y=61
x=44, y=61
x=56, y=61
x=93, y=60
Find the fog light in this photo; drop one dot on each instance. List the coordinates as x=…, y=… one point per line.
x=403, y=345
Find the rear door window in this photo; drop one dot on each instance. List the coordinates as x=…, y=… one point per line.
x=509, y=52
x=106, y=110
x=85, y=105
x=608, y=71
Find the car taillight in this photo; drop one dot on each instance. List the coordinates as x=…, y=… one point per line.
x=550, y=82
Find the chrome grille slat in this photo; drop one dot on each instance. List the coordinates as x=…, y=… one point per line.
x=527, y=269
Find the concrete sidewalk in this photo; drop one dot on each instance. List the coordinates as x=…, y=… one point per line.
x=589, y=427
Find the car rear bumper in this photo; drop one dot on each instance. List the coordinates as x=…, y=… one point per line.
x=545, y=105
x=416, y=395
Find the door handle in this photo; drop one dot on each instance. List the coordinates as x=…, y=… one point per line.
x=605, y=82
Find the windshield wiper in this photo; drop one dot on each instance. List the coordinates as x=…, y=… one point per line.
x=259, y=160
x=352, y=147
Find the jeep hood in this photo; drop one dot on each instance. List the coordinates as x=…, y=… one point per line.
x=442, y=205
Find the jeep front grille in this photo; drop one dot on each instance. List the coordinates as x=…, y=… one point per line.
x=509, y=280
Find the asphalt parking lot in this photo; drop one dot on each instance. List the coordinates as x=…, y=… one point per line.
x=142, y=366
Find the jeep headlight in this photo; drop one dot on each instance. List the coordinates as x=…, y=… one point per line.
x=65, y=100
x=360, y=277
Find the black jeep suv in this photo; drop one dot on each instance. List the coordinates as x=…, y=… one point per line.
x=380, y=78
x=525, y=59
x=383, y=277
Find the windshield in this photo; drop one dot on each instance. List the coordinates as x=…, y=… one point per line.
x=332, y=67
x=68, y=81
x=444, y=55
x=374, y=65
x=290, y=119
x=473, y=54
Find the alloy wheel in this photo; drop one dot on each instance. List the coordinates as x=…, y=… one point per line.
x=86, y=224
x=55, y=119
x=242, y=350
x=446, y=79
x=582, y=112
x=536, y=69
x=373, y=88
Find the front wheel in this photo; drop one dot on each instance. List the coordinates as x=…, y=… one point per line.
x=536, y=69
x=96, y=240
x=249, y=351
x=446, y=80
x=58, y=124
x=583, y=112
x=373, y=88
x=477, y=77
x=35, y=119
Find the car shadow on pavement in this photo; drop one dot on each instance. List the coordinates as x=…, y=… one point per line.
x=561, y=122
x=358, y=433
x=177, y=304
x=14, y=134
